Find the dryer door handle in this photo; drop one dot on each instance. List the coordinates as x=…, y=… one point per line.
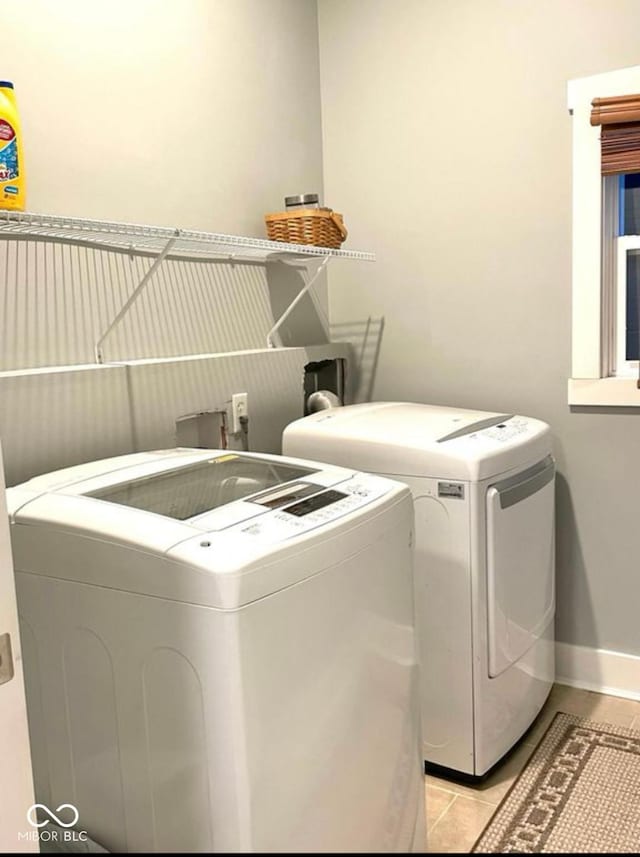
x=511, y=492
x=520, y=563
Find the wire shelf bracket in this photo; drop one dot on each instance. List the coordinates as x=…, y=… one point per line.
x=135, y=294
x=303, y=291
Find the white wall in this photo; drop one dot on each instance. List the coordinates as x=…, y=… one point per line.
x=447, y=146
x=200, y=114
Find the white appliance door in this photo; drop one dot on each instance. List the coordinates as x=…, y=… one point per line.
x=520, y=563
x=16, y=784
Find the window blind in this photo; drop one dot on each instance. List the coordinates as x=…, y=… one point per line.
x=619, y=118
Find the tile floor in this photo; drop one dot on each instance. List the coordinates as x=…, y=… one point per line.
x=456, y=814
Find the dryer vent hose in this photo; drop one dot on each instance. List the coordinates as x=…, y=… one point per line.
x=321, y=400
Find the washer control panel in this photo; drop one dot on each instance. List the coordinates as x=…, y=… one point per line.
x=319, y=509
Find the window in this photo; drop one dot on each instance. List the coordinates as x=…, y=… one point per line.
x=628, y=276
x=606, y=240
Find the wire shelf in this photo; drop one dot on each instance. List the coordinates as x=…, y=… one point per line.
x=152, y=240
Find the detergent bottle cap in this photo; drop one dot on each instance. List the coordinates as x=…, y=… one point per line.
x=6, y=84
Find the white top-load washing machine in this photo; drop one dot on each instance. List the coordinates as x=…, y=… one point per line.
x=219, y=653
x=483, y=489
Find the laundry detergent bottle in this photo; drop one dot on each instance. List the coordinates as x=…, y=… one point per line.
x=12, y=174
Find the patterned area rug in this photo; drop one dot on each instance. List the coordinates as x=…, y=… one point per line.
x=579, y=792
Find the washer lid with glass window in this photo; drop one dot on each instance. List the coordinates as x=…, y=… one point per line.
x=221, y=513
x=158, y=498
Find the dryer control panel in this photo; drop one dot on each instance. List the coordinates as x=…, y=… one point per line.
x=505, y=431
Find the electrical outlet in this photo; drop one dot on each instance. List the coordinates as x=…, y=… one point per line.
x=239, y=408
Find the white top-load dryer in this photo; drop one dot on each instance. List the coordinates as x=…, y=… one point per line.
x=219, y=653
x=483, y=490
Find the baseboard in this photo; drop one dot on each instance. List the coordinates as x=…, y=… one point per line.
x=601, y=670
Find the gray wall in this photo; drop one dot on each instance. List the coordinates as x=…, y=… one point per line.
x=447, y=146
x=195, y=113
x=200, y=114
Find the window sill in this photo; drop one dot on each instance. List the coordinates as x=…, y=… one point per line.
x=611, y=392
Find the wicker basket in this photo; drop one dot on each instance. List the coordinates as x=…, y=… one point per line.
x=322, y=227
